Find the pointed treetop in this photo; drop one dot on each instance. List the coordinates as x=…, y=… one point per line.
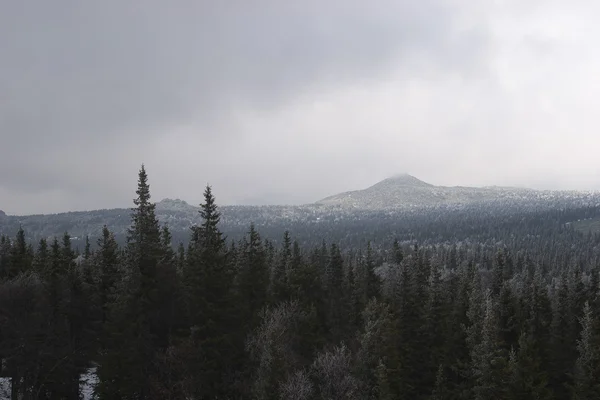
x=143, y=190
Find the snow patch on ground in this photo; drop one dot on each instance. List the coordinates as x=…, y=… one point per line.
x=86, y=388
x=88, y=383
x=4, y=388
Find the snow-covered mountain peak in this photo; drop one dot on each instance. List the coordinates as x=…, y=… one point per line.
x=173, y=205
x=402, y=180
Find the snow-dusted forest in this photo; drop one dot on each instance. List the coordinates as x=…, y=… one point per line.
x=498, y=297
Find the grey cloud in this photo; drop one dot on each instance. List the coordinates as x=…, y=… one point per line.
x=86, y=70
x=87, y=87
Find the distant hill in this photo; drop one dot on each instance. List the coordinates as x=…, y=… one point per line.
x=406, y=191
x=346, y=214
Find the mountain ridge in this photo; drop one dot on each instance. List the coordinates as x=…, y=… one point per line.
x=397, y=191
x=404, y=190
x=400, y=195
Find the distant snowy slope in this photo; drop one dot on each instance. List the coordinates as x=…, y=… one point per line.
x=406, y=191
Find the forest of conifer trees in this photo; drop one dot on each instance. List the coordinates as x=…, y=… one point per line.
x=251, y=319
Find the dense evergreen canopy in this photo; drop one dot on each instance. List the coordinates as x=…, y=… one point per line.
x=474, y=306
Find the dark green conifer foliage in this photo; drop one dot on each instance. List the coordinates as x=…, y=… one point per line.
x=180, y=259
x=40, y=261
x=107, y=260
x=20, y=256
x=490, y=366
x=508, y=313
x=498, y=274
x=398, y=256
x=440, y=389
x=128, y=362
x=208, y=281
x=253, y=276
x=587, y=367
x=434, y=329
x=528, y=378
x=561, y=354
x=168, y=255
x=373, y=283
x=281, y=271
x=87, y=252
x=334, y=280
x=456, y=317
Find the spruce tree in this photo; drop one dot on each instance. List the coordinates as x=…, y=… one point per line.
x=107, y=265
x=334, y=277
x=20, y=256
x=208, y=281
x=281, y=271
x=373, y=284
x=440, y=389
x=128, y=363
x=490, y=367
x=587, y=368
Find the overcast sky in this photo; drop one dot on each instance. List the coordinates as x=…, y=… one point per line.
x=276, y=101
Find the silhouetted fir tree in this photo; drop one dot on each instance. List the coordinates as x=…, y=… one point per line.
x=53, y=275
x=373, y=283
x=508, y=266
x=508, y=318
x=281, y=271
x=490, y=366
x=297, y=259
x=40, y=260
x=19, y=255
x=538, y=322
x=87, y=252
x=170, y=309
x=377, y=358
x=131, y=345
x=144, y=251
x=168, y=255
x=107, y=266
x=305, y=286
x=408, y=324
x=473, y=329
x=334, y=278
x=4, y=256
x=434, y=328
x=452, y=259
x=560, y=348
x=180, y=259
x=321, y=259
x=440, y=388
x=62, y=285
x=498, y=274
x=270, y=254
x=413, y=319
x=208, y=281
x=586, y=382
x=384, y=391
x=456, y=349
x=79, y=316
x=253, y=276
x=527, y=376
x=355, y=299
x=398, y=256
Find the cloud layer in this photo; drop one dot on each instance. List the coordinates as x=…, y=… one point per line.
x=272, y=102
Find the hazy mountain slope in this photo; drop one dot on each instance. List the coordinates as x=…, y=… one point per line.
x=406, y=191
x=402, y=197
